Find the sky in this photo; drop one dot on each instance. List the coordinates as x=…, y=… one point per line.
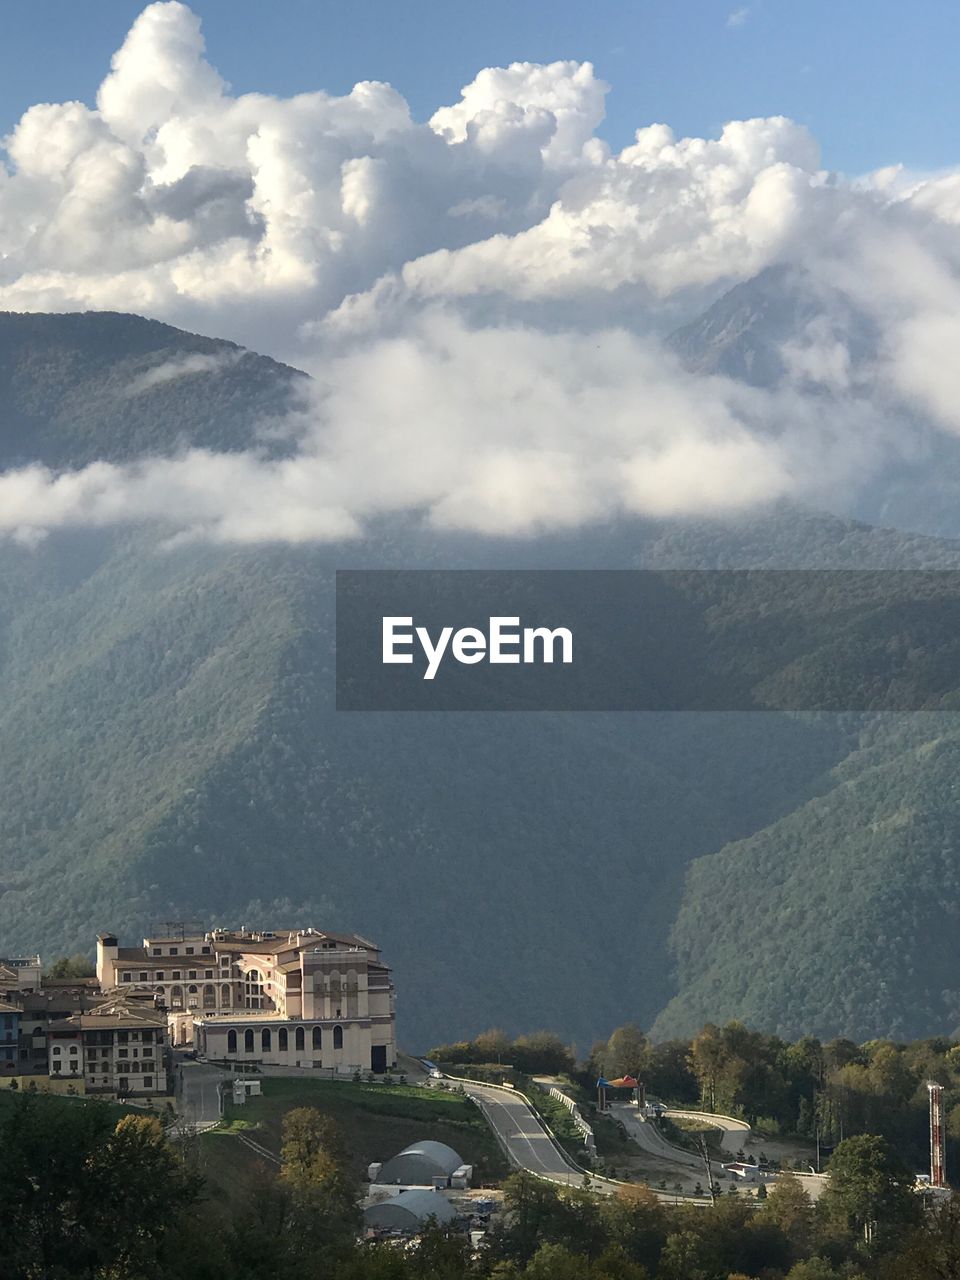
x=875, y=80
x=475, y=227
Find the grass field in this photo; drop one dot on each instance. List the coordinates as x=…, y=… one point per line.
x=10, y=1098
x=377, y=1122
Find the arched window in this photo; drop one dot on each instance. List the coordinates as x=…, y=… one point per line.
x=176, y=997
x=282, y=1040
x=225, y=994
x=338, y=1037
x=265, y=1039
x=231, y=1041
x=317, y=1038
x=209, y=997
x=299, y=1038
x=248, y=1041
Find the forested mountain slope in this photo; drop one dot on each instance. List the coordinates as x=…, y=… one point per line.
x=169, y=749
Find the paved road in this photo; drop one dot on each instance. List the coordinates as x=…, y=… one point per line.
x=199, y=1100
x=646, y=1134
x=527, y=1142
x=735, y=1133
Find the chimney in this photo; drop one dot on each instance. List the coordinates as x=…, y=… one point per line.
x=107, y=950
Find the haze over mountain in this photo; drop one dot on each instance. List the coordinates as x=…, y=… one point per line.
x=168, y=749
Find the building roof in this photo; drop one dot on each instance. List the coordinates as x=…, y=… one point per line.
x=409, y=1209
x=419, y=1163
x=8, y=1008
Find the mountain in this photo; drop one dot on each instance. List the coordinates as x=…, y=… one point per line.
x=105, y=387
x=775, y=330
x=169, y=749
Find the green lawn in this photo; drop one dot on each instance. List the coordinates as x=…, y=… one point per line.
x=10, y=1098
x=377, y=1121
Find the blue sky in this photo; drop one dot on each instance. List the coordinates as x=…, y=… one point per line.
x=875, y=80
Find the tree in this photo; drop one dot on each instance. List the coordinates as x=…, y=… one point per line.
x=493, y=1046
x=315, y=1171
x=626, y=1053
x=788, y=1207
x=541, y=1052
x=683, y=1257
x=75, y=966
x=871, y=1189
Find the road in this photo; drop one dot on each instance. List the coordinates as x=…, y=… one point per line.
x=199, y=1098
x=646, y=1134
x=735, y=1133
x=527, y=1143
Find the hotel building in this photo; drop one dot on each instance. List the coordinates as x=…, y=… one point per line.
x=287, y=998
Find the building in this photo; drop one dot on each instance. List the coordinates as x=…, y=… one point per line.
x=423, y=1164
x=299, y=998
x=56, y=999
x=118, y=1048
x=9, y=1038
x=20, y=974
x=410, y=1211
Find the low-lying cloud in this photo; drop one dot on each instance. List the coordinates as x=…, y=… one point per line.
x=478, y=296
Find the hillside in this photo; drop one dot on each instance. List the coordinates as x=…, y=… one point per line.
x=105, y=387
x=169, y=749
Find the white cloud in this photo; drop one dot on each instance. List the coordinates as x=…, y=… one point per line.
x=738, y=17
x=471, y=293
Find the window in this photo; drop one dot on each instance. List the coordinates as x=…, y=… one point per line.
x=177, y=975
x=225, y=994
x=159, y=976
x=248, y=1041
x=208, y=973
x=265, y=1039
x=56, y=1049
x=74, y=1050
x=158, y=951
x=209, y=997
x=148, y=1082
x=204, y=951
x=192, y=974
x=142, y=976
x=231, y=1041
x=189, y=951
x=338, y=1037
x=122, y=1037
x=282, y=1040
x=174, y=951
x=176, y=997
x=123, y=1053
x=192, y=990
x=299, y=1039
x=127, y=977
x=317, y=1038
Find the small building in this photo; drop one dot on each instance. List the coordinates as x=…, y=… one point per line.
x=421, y=1165
x=9, y=1038
x=410, y=1211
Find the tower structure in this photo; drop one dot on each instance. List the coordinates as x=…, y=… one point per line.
x=938, y=1153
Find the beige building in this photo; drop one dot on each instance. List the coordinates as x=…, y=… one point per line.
x=297, y=998
x=116, y=1049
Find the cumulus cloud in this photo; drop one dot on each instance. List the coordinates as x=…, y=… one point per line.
x=496, y=431
x=478, y=296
